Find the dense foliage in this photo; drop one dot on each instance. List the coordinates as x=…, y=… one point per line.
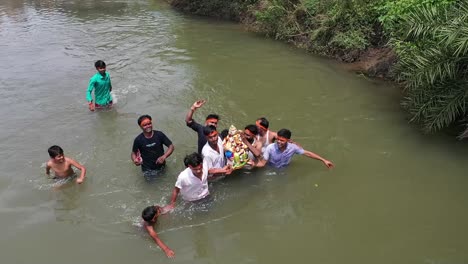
x=430, y=38
x=433, y=59
x=332, y=27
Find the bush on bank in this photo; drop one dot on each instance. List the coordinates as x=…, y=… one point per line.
x=429, y=38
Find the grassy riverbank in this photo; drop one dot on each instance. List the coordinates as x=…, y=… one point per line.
x=421, y=44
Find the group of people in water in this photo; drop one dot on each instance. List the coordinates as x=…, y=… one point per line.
x=218, y=154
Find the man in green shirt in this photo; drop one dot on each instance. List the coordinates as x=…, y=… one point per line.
x=102, y=86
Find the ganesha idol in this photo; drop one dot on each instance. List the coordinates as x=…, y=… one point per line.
x=235, y=149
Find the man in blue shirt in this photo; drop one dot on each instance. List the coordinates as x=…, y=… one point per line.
x=279, y=154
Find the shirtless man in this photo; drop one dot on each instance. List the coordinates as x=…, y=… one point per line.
x=249, y=137
x=62, y=166
x=265, y=135
x=150, y=216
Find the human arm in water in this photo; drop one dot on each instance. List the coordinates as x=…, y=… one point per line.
x=166, y=155
x=171, y=204
x=47, y=169
x=150, y=229
x=89, y=96
x=80, y=167
x=312, y=155
x=195, y=106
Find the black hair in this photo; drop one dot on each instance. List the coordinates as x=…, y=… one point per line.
x=252, y=128
x=286, y=133
x=193, y=160
x=208, y=130
x=264, y=122
x=143, y=117
x=224, y=133
x=54, y=151
x=100, y=64
x=212, y=116
x=149, y=213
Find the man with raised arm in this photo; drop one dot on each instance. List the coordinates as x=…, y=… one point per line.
x=211, y=120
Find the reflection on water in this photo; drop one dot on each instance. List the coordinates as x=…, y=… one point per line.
x=395, y=196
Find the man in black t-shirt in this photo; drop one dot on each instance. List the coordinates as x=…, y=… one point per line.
x=148, y=149
x=211, y=120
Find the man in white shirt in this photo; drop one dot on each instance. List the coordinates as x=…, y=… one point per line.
x=192, y=183
x=213, y=154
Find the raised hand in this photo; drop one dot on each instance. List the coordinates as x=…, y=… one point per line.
x=198, y=104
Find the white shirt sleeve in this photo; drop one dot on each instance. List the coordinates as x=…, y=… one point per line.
x=207, y=163
x=179, y=183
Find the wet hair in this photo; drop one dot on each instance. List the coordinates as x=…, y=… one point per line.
x=100, y=64
x=224, y=133
x=149, y=213
x=208, y=130
x=212, y=116
x=54, y=151
x=252, y=128
x=264, y=122
x=143, y=117
x=193, y=160
x=286, y=133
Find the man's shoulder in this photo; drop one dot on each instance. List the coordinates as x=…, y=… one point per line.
x=194, y=124
x=183, y=174
x=159, y=134
x=95, y=76
x=206, y=150
x=139, y=137
x=270, y=146
x=49, y=163
x=294, y=147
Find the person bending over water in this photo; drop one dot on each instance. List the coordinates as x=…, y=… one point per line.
x=102, y=86
x=279, y=154
x=150, y=216
x=62, y=166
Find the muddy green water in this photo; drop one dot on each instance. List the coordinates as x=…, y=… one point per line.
x=395, y=196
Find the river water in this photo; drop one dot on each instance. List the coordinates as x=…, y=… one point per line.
x=395, y=195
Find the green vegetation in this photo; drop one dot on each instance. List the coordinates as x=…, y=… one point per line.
x=433, y=58
x=429, y=38
x=331, y=27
